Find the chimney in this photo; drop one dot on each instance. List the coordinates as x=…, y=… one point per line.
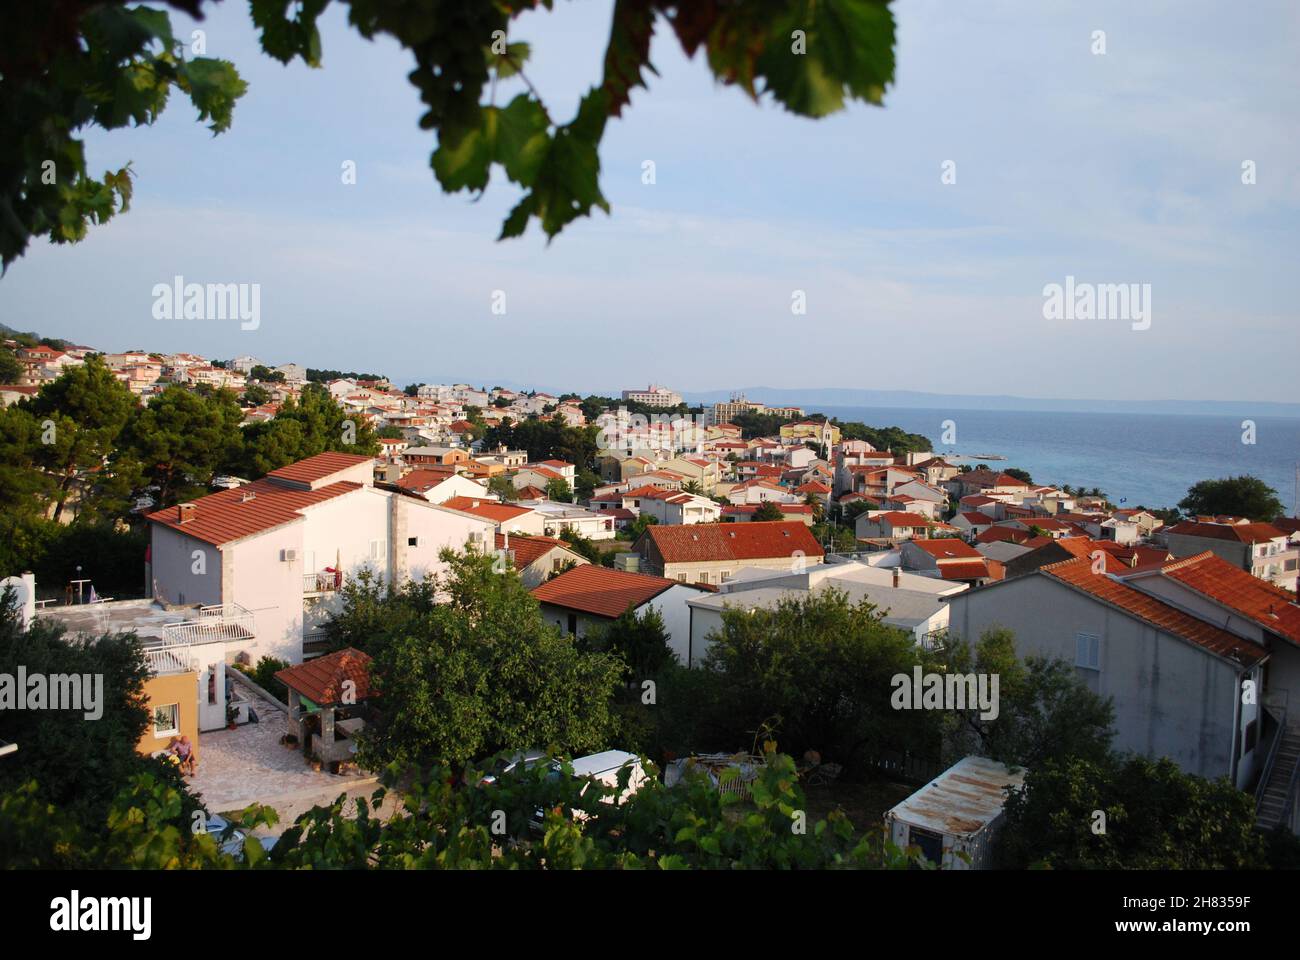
x=897, y=577
x=246, y=496
x=185, y=512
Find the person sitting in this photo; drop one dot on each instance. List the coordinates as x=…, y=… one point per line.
x=185, y=750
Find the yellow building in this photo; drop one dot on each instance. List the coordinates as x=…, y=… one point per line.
x=815, y=431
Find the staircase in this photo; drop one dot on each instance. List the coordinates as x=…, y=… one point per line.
x=1274, y=793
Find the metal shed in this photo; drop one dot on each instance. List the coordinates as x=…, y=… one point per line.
x=958, y=811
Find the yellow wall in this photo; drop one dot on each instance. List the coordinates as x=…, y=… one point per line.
x=178, y=688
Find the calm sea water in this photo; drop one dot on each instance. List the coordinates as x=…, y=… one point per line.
x=1147, y=459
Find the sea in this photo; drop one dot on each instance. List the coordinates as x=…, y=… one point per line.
x=1136, y=459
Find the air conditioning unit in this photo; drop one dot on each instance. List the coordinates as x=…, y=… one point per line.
x=288, y=556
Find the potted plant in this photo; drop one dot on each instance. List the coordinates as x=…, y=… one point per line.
x=232, y=716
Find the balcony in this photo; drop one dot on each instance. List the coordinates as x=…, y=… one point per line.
x=170, y=658
x=219, y=622
x=314, y=584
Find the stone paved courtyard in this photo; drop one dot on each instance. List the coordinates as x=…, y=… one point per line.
x=250, y=765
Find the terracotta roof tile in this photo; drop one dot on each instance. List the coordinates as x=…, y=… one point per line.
x=318, y=467
x=756, y=540
x=1078, y=574
x=1269, y=606
x=599, y=590
x=321, y=680
x=229, y=515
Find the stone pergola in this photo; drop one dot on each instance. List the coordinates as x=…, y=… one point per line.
x=339, y=680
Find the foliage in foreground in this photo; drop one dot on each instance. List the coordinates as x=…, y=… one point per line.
x=437, y=824
x=1129, y=813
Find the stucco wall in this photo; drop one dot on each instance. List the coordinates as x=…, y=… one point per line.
x=174, y=567
x=1171, y=698
x=178, y=688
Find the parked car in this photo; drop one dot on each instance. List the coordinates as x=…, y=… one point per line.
x=230, y=839
x=495, y=767
x=605, y=768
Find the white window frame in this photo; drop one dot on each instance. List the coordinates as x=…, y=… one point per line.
x=176, y=720
x=1087, y=658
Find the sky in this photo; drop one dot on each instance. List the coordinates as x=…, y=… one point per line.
x=1124, y=167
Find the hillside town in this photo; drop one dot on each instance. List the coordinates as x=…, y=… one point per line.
x=640, y=509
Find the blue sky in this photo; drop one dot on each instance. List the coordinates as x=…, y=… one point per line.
x=1122, y=168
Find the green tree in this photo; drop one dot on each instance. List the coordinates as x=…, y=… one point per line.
x=558, y=489
x=1044, y=710
x=436, y=826
x=822, y=665
x=1156, y=818
x=1243, y=496
x=1021, y=475
x=255, y=396
x=182, y=439
x=81, y=417
x=112, y=66
x=79, y=763
x=638, y=526
x=481, y=672
x=10, y=368
x=313, y=424
x=767, y=510
x=502, y=486
x=639, y=640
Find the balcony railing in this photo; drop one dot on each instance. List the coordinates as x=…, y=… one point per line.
x=170, y=658
x=323, y=582
x=224, y=622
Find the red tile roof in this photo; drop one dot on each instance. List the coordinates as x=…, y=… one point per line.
x=1078, y=574
x=1239, y=532
x=493, y=510
x=965, y=570
x=748, y=508
x=423, y=480
x=529, y=492
x=756, y=540
x=602, y=591
x=321, y=680
x=977, y=519
x=948, y=548
x=318, y=467
x=528, y=549
x=229, y=515
x=1269, y=606
x=897, y=518
x=1010, y=534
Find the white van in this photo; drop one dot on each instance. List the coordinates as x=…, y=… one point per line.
x=605, y=767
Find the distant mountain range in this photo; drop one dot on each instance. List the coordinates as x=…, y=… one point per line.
x=812, y=399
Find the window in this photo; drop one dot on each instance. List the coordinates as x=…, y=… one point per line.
x=681, y=578
x=166, y=720
x=377, y=549
x=573, y=623
x=704, y=578
x=412, y=541
x=1087, y=651
x=1251, y=733
x=726, y=575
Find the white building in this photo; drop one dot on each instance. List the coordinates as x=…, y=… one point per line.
x=280, y=548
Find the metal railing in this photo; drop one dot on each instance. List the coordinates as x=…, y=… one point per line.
x=227, y=621
x=323, y=582
x=170, y=658
x=1279, y=735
